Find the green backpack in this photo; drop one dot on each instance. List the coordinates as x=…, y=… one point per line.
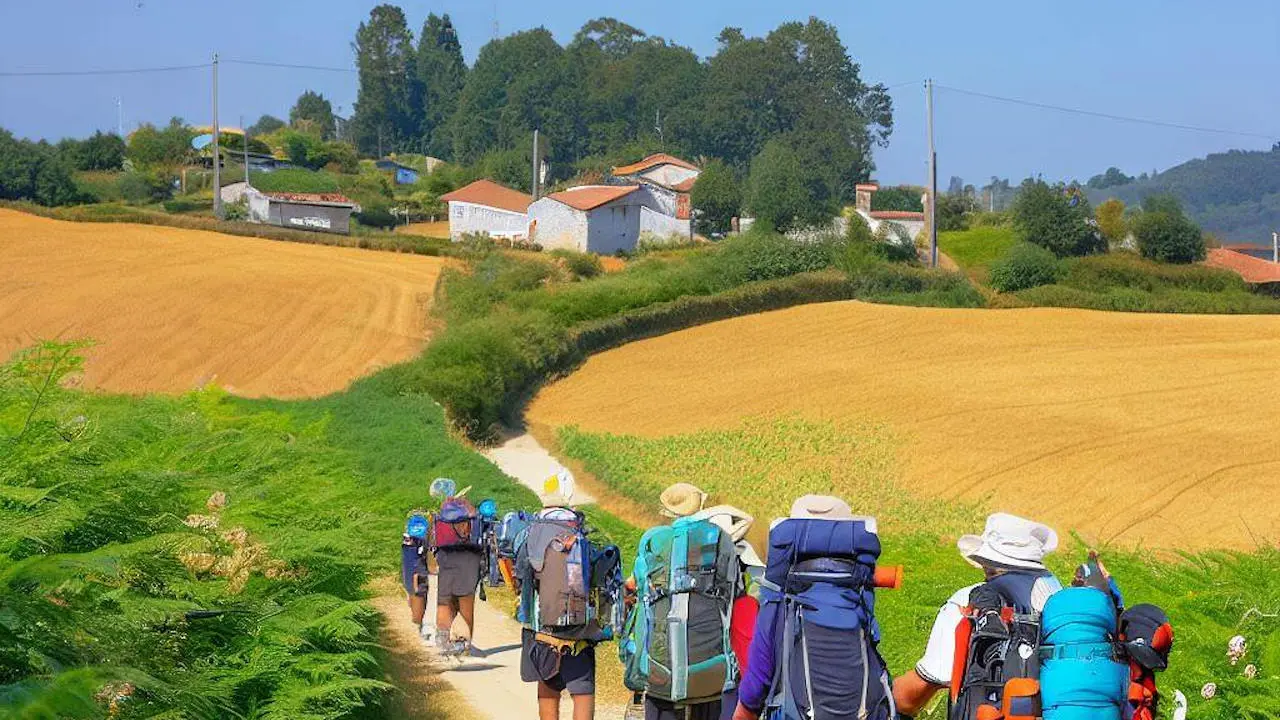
x=675, y=643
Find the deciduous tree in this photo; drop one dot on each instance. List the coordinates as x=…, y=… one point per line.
x=312, y=107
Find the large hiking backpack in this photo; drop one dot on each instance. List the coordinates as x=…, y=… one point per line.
x=568, y=587
x=456, y=525
x=508, y=532
x=1081, y=677
x=997, y=662
x=1147, y=638
x=675, y=643
x=818, y=593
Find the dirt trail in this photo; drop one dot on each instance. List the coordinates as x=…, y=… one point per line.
x=521, y=456
x=172, y=310
x=1140, y=429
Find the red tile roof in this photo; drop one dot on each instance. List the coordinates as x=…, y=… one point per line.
x=867, y=186
x=310, y=197
x=1252, y=269
x=651, y=162
x=590, y=197
x=896, y=215
x=491, y=194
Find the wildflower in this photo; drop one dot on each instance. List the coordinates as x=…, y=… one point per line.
x=217, y=502
x=1236, y=649
x=1208, y=691
x=1251, y=671
x=201, y=522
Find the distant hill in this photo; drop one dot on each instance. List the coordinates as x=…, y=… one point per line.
x=1235, y=195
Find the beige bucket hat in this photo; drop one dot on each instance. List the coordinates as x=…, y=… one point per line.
x=821, y=507
x=736, y=523
x=1009, y=542
x=681, y=500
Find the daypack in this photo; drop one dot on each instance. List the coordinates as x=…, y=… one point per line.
x=568, y=587
x=1081, y=676
x=675, y=643
x=456, y=525
x=997, y=663
x=819, y=591
x=1147, y=638
x=508, y=532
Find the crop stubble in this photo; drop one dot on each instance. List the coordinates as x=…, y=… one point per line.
x=171, y=310
x=1153, y=430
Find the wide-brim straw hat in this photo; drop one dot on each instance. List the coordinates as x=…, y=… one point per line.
x=681, y=500
x=821, y=507
x=1009, y=543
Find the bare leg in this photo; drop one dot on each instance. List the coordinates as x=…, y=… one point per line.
x=548, y=703
x=418, y=608
x=467, y=609
x=444, y=619
x=584, y=707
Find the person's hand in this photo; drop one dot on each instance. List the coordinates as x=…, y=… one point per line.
x=742, y=713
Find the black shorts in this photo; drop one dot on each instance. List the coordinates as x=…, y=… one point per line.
x=458, y=574
x=540, y=662
x=655, y=709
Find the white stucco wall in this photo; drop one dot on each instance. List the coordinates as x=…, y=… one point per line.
x=465, y=218
x=554, y=226
x=663, y=200
x=662, y=225
x=669, y=175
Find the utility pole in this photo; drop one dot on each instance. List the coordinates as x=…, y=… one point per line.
x=119, y=117
x=536, y=163
x=933, y=179
x=244, y=136
x=217, y=156
x=1275, y=247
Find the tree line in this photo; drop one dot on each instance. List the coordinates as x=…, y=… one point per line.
x=615, y=93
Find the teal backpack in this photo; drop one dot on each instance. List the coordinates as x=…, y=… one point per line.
x=675, y=642
x=1081, y=673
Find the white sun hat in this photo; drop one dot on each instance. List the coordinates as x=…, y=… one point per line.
x=557, y=490
x=1009, y=543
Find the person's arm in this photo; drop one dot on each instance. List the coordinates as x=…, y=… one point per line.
x=911, y=693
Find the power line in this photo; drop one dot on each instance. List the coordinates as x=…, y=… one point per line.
x=291, y=66
x=129, y=71
x=1107, y=116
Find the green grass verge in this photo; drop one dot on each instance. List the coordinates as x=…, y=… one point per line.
x=764, y=464
x=110, y=558
x=977, y=248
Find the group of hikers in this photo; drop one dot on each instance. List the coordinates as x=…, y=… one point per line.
x=707, y=629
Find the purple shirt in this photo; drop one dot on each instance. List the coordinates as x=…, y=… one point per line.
x=753, y=691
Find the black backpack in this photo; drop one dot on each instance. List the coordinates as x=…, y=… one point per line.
x=999, y=637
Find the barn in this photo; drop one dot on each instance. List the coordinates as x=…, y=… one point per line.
x=486, y=208
x=669, y=177
x=322, y=212
x=602, y=219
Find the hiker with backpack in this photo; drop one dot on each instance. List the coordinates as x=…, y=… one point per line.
x=413, y=566
x=456, y=537
x=677, y=646
x=999, y=616
x=815, y=654
x=567, y=587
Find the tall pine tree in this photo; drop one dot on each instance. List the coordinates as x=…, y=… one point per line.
x=384, y=118
x=440, y=74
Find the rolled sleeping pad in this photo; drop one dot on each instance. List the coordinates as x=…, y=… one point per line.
x=888, y=577
x=1080, y=678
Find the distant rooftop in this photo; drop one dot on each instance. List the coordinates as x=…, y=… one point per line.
x=490, y=194
x=651, y=162
x=1252, y=269
x=590, y=197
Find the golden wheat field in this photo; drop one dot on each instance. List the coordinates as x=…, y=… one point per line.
x=171, y=310
x=1153, y=430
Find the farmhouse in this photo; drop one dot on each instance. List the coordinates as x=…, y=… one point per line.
x=601, y=219
x=912, y=221
x=669, y=177
x=484, y=207
x=402, y=174
x=322, y=212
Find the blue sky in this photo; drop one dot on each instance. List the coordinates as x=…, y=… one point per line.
x=1194, y=63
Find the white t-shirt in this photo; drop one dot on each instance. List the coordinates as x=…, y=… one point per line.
x=939, y=654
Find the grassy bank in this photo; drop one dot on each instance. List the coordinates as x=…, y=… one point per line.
x=512, y=321
x=764, y=464
x=121, y=213
x=205, y=556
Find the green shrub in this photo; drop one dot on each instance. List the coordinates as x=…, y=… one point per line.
x=1120, y=269
x=1047, y=217
x=1165, y=234
x=764, y=255
x=1024, y=266
x=186, y=205
x=143, y=187
x=376, y=216
x=717, y=198
x=579, y=264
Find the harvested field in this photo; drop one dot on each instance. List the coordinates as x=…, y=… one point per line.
x=1152, y=430
x=438, y=229
x=171, y=310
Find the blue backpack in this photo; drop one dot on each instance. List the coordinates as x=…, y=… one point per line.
x=1081, y=677
x=819, y=594
x=675, y=642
